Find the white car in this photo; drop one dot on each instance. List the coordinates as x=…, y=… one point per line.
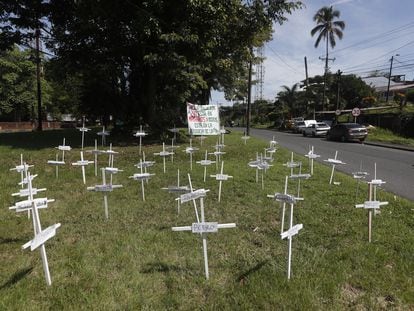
x=318, y=129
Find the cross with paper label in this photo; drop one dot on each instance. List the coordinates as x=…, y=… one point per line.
x=142, y=177
x=83, y=129
x=177, y=189
x=82, y=163
x=334, y=162
x=164, y=154
x=205, y=163
x=141, y=133
x=220, y=178
x=104, y=187
x=312, y=156
x=103, y=135
x=203, y=228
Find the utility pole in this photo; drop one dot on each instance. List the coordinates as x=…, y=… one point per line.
x=389, y=78
x=306, y=72
x=249, y=93
x=39, y=87
x=339, y=72
x=326, y=59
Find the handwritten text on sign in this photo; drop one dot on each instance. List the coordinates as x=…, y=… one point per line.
x=202, y=227
x=203, y=119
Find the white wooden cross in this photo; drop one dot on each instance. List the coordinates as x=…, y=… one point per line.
x=141, y=133
x=96, y=152
x=334, y=162
x=83, y=129
x=273, y=142
x=82, y=163
x=174, y=130
x=218, y=155
x=373, y=204
x=143, y=176
x=359, y=175
x=172, y=147
x=203, y=228
x=63, y=148
x=292, y=164
x=40, y=236
x=312, y=156
x=164, y=154
x=263, y=166
x=177, y=189
x=293, y=230
x=299, y=177
x=56, y=163
x=220, y=178
x=193, y=195
x=190, y=150
x=255, y=164
x=104, y=188
x=103, y=135
x=205, y=163
x=245, y=137
x=23, y=168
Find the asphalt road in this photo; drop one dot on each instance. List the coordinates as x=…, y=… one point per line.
x=395, y=167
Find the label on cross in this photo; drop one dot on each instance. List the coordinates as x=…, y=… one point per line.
x=42, y=237
x=222, y=177
x=192, y=195
x=291, y=232
x=281, y=197
x=204, y=227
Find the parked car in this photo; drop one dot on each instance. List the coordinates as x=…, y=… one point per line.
x=347, y=132
x=300, y=125
x=318, y=129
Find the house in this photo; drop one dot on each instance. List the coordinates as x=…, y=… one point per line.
x=380, y=84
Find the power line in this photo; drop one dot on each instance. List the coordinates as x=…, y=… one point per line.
x=281, y=59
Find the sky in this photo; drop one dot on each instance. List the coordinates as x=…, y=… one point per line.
x=375, y=30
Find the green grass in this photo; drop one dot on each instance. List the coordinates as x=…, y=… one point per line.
x=134, y=260
x=387, y=136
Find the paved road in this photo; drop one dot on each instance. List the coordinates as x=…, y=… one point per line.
x=396, y=167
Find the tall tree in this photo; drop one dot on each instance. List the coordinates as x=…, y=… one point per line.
x=328, y=29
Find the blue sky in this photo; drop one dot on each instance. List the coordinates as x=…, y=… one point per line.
x=375, y=30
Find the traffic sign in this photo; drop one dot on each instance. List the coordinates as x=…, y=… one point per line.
x=338, y=112
x=356, y=112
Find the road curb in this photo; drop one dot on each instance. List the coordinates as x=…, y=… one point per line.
x=391, y=146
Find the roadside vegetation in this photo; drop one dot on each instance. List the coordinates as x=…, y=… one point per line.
x=134, y=260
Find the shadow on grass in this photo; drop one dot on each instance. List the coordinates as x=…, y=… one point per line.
x=16, y=277
x=244, y=276
x=11, y=240
x=160, y=267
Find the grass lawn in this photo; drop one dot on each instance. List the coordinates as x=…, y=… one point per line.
x=387, y=136
x=134, y=260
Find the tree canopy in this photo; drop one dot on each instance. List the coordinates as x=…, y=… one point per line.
x=146, y=59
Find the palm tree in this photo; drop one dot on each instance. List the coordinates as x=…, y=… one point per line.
x=328, y=29
x=287, y=97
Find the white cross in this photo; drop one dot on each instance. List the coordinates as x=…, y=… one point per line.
x=104, y=188
x=312, y=156
x=63, y=148
x=218, y=155
x=293, y=230
x=141, y=133
x=96, y=152
x=56, y=163
x=172, y=148
x=205, y=163
x=334, y=162
x=143, y=176
x=82, y=163
x=103, y=135
x=177, y=189
x=23, y=168
x=292, y=164
x=203, y=228
x=190, y=150
x=299, y=177
x=372, y=204
x=201, y=138
x=359, y=175
x=83, y=129
x=220, y=178
x=245, y=137
x=175, y=131
x=40, y=236
x=164, y=154
x=193, y=195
